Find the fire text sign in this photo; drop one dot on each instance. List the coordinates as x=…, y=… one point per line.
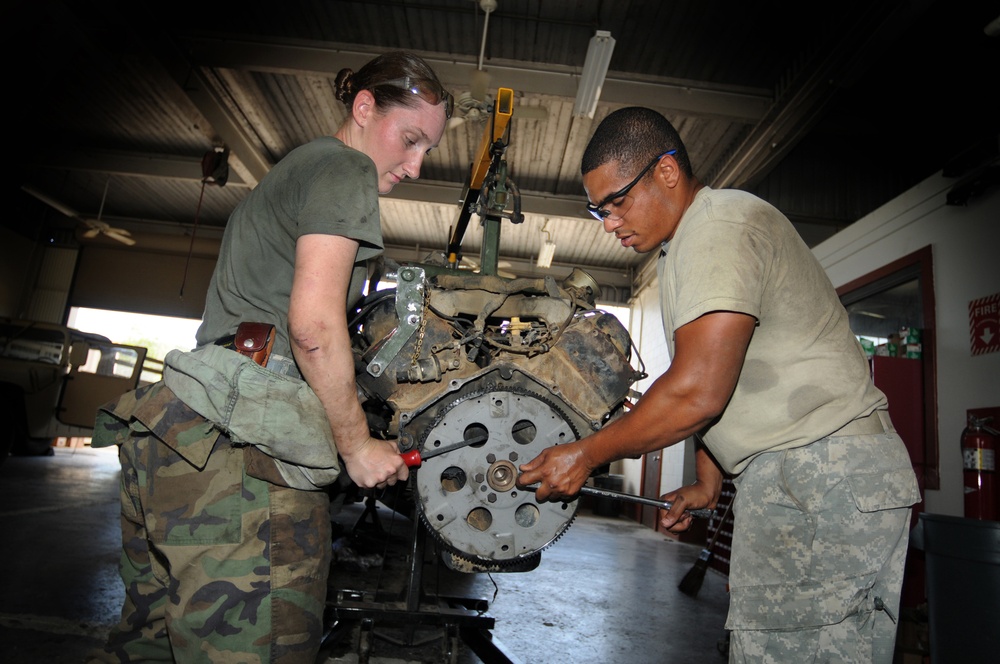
x=984, y=324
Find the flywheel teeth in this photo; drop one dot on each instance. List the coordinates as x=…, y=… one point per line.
x=499, y=564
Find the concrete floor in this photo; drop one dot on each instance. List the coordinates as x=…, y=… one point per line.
x=604, y=592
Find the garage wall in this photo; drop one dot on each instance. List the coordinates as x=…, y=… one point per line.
x=42, y=281
x=145, y=278
x=18, y=256
x=965, y=242
x=36, y=278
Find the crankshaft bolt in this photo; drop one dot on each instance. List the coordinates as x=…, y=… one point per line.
x=502, y=476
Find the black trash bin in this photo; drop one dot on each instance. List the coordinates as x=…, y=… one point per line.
x=963, y=588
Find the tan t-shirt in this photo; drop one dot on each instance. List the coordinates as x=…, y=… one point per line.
x=805, y=373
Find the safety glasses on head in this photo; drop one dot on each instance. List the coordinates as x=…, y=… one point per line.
x=601, y=213
x=428, y=90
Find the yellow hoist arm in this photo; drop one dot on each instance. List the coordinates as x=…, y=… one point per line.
x=493, y=133
x=495, y=128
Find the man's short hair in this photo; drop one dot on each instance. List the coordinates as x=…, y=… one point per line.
x=632, y=136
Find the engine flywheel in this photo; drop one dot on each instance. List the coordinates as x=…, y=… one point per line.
x=468, y=497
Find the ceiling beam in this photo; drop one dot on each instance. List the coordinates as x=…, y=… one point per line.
x=116, y=162
x=616, y=278
x=189, y=169
x=145, y=36
x=328, y=58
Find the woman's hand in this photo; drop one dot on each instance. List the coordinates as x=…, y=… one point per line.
x=375, y=464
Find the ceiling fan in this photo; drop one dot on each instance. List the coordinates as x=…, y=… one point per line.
x=94, y=227
x=97, y=227
x=475, y=105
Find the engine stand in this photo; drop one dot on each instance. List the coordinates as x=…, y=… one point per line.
x=411, y=619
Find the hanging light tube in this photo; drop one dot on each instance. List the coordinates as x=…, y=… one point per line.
x=548, y=249
x=595, y=68
x=545, y=254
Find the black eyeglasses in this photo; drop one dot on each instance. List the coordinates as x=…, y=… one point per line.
x=428, y=90
x=601, y=213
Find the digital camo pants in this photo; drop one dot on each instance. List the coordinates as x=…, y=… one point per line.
x=819, y=547
x=218, y=566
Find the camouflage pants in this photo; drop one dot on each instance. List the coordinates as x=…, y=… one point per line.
x=218, y=566
x=819, y=546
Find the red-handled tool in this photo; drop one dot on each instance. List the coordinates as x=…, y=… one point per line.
x=414, y=458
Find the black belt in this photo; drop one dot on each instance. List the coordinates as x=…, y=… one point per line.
x=226, y=342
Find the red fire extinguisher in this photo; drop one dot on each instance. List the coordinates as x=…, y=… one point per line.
x=979, y=447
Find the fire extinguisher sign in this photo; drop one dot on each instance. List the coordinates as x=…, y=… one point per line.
x=984, y=324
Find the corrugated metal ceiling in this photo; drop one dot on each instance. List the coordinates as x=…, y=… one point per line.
x=826, y=109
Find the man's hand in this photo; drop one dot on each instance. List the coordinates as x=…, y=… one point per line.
x=559, y=470
x=704, y=492
x=375, y=464
x=691, y=497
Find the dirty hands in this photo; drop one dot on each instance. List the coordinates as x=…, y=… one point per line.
x=375, y=464
x=559, y=470
x=691, y=497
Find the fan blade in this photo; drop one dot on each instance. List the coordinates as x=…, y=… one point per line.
x=91, y=232
x=121, y=235
x=54, y=204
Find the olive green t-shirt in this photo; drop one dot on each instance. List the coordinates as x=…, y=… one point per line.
x=805, y=374
x=321, y=187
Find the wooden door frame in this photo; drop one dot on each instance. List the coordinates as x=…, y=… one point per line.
x=922, y=260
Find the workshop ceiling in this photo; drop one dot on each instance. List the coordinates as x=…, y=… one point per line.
x=826, y=109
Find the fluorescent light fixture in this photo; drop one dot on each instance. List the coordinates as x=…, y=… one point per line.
x=545, y=254
x=595, y=68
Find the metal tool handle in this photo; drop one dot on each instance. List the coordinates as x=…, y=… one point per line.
x=628, y=497
x=414, y=458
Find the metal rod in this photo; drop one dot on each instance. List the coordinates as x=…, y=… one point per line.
x=628, y=497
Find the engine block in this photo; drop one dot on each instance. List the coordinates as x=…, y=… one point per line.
x=496, y=370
